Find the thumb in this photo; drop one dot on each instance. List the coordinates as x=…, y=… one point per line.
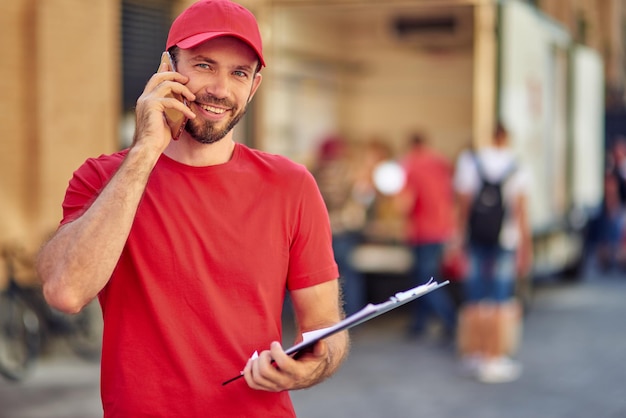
x=320, y=349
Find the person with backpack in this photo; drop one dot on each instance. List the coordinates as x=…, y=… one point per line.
x=492, y=190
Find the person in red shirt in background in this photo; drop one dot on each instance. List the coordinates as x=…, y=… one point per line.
x=336, y=172
x=427, y=203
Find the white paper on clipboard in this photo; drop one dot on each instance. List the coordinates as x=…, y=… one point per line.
x=368, y=312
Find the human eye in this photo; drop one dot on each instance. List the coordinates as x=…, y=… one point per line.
x=240, y=73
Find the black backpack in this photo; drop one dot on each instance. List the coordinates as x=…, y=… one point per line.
x=487, y=210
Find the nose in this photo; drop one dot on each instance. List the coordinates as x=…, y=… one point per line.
x=218, y=85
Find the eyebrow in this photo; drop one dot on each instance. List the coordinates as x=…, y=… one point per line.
x=246, y=67
x=242, y=67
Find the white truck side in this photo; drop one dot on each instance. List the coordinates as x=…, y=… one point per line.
x=450, y=68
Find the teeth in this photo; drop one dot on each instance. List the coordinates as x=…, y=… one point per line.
x=213, y=109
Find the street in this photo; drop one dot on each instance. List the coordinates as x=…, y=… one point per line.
x=573, y=350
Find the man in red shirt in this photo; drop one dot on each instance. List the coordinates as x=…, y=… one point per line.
x=191, y=241
x=427, y=201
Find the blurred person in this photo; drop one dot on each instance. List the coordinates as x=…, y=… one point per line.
x=490, y=319
x=381, y=213
x=191, y=244
x=611, y=246
x=336, y=175
x=427, y=204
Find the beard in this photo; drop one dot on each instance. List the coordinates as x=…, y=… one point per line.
x=207, y=132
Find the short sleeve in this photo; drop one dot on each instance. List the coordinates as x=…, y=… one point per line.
x=86, y=183
x=311, y=259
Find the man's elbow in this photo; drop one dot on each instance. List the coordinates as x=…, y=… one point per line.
x=60, y=296
x=63, y=301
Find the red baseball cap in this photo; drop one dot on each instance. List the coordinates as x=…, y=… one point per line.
x=208, y=19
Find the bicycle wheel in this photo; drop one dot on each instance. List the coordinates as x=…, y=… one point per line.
x=19, y=336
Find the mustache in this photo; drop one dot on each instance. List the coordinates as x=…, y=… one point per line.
x=209, y=99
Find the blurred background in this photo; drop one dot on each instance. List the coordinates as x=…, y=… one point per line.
x=553, y=71
x=372, y=72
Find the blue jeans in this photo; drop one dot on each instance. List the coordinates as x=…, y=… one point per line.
x=491, y=274
x=427, y=260
x=351, y=280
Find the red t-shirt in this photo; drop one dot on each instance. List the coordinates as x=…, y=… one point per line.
x=200, y=284
x=429, y=182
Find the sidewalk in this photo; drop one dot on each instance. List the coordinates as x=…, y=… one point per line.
x=572, y=351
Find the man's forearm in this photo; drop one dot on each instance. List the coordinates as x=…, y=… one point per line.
x=77, y=262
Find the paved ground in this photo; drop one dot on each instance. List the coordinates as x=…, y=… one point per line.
x=573, y=355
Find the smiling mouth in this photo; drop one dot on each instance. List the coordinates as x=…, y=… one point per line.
x=212, y=109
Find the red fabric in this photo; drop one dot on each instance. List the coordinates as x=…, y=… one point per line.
x=454, y=265
x=200, y=284
x=429, y=183
x=208, y=19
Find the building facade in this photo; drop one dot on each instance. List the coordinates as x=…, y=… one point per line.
x=63, y=89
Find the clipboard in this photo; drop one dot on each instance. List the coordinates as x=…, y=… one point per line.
x=370, y=311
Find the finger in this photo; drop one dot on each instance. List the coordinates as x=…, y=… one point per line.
x=173, y=103
x=320, y=349
x=163, y=77
x=277, y=353
x=165, y=64
x=176, y=88
x=163, y=67
x=255, y=375
x=247, y=372
x=283, y=361
x=168, y=95
x=251, y=370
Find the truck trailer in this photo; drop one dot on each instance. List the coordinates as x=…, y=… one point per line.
x=450, y=68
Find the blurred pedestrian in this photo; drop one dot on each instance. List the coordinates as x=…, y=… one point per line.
x=335, y=171
x=610, y=252
x=499, y=251
x=381, y=224
x=427, y=204
x=191, y=241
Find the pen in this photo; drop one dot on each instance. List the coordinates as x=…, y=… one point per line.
x=295, y=355
x=232, y=379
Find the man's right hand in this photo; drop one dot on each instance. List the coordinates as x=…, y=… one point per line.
x=158, y=95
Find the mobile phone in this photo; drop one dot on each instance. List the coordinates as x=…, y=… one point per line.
x=175, y=119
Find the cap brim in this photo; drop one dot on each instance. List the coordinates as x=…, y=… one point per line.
x=196, y=40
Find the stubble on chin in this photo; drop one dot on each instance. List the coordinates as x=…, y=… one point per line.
x=209, y=132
